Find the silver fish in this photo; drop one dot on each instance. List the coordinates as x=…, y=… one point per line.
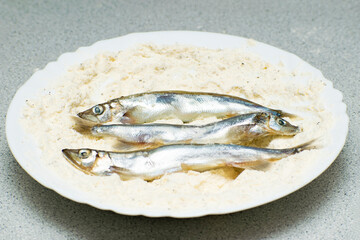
x=152, y=164
x=186, y=106
x=244, y=127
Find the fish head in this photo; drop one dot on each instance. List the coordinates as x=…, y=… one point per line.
x=281, y=127
x=89, y=161
x=103, y=112
x=275, y=125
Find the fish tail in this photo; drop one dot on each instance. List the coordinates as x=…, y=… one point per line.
x=305, y=146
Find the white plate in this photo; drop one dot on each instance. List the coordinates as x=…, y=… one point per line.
x=28, y=154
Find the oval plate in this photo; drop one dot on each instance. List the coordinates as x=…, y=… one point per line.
x=28, y=154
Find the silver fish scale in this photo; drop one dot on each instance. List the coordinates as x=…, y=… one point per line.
x=171, y=158
x=232, y=130
x=152, y=106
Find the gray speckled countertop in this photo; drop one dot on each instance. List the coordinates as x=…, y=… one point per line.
x=324, y=33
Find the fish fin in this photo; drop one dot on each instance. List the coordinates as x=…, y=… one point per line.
x=123, y=146
x=124, y=174
x=125, y=177
x=245, y=164
x=117, y=169
x=229, y=115
x=185, y=167
x=286, y=114
x=262, y=117
x=200, y=167
x=127, y=118
x=273, y=159
x=128, y=146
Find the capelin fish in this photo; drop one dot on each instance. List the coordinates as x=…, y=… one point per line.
x=244, y=127
x=152, y=164
x=186, y=106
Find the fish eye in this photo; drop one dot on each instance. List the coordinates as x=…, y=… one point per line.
x=84, y=153
x=98, y=110
x=281, y=122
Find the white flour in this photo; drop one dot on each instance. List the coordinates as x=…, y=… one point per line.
x=155, y=68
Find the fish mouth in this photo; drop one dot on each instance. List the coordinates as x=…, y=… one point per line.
x=71, y=156
x=88, y=116
x=292, y=131
x=80, y=115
